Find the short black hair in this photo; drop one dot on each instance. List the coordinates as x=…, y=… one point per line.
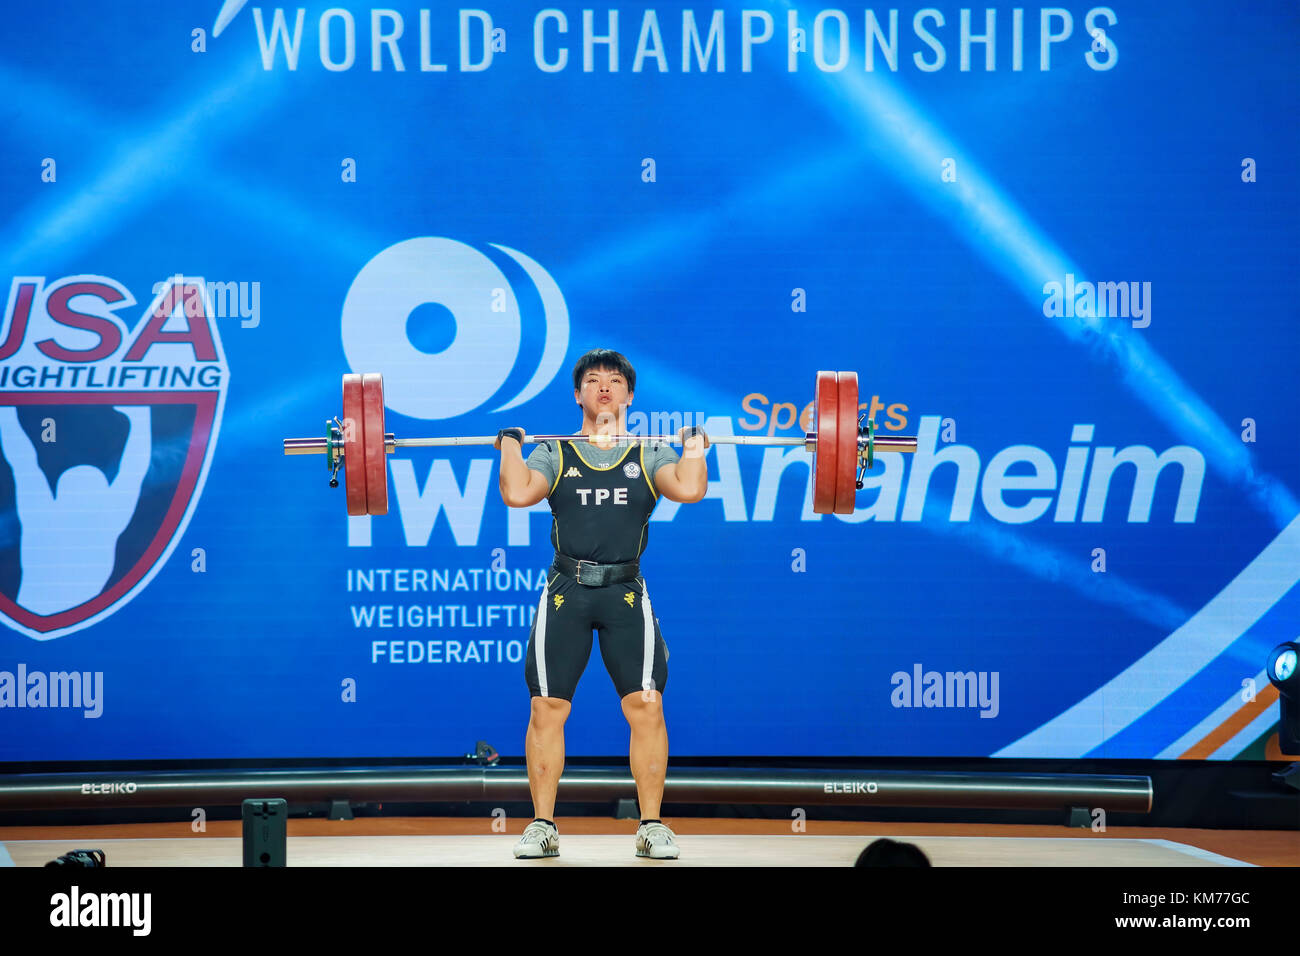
x=886, y=852
x=604, y=359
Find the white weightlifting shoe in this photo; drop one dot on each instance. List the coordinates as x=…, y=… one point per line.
x=539, y=840
x=655, y=841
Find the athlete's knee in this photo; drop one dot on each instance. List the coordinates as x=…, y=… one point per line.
x=550, y=712
x=643, y=706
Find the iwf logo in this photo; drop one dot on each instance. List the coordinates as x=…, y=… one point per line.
x=106, y=435
x=443, y=322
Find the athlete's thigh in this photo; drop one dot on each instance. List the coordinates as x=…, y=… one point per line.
x=560, y=642
x=631, y=646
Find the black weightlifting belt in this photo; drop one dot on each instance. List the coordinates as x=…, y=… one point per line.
x=596, y=575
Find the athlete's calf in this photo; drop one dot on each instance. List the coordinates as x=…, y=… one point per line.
x=648, y=749
x=544, y=750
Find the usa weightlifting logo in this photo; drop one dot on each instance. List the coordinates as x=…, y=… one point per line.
x=106, y=436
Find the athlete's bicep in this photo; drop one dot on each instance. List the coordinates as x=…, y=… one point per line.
x=666, y=483
x=538, y=488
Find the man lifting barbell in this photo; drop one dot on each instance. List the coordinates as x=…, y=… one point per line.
x=842, y=445
x=601, y=497
x=601, y=491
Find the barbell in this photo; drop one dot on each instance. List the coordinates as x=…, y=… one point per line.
x=843, y=443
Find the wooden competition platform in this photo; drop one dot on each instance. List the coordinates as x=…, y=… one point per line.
x=595, y=841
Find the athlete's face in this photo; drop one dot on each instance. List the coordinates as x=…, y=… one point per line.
x=603, y=395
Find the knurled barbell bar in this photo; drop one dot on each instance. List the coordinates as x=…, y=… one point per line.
x=843, y=443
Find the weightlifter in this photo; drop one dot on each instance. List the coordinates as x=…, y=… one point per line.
x=601, y=494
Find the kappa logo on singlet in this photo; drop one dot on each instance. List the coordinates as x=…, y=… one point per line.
x=573, y=472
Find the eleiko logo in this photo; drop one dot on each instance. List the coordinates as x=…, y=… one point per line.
x=108, y=788
x=851, y=786
x=440, y=380
x=106, y=436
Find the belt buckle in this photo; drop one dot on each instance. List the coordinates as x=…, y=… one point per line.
x=580, y=577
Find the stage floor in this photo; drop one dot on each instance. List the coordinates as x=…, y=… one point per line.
x=590, y=841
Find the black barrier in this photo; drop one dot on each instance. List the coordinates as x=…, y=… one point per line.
x=885, y=788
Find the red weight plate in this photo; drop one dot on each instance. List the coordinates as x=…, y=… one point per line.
x=372, y=398
x=354, y=465
x=846, y=456
x=826, y=402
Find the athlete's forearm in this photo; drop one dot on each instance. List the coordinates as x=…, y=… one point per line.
x=693, y=476
x=513, y=480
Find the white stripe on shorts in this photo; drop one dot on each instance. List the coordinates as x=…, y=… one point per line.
x=648, y=645
x=539, y=642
